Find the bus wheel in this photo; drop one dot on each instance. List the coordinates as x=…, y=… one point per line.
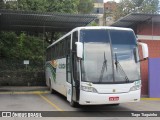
x=74, y=104
x=50, y=88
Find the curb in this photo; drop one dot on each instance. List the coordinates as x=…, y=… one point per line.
x=151, y=99
x=25, y=92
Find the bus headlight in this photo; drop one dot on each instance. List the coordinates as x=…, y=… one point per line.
x=137, y=87
x=88, y=89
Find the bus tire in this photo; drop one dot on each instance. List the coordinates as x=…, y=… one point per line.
x=74, y=104
x=50, y=88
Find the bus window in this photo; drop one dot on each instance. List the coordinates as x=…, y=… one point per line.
x=123, y=45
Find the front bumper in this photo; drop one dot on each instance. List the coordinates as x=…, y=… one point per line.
x=89, y=98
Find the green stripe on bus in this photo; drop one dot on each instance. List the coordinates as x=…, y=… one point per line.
x=52, y=71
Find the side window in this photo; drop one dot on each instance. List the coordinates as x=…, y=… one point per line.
x=68, y=60
x=59, y=52
x=60, y=49
x=68, y=69
x=74, y=40
x=68, y=42
x=52, y=52
x=56, y=50
x=63, y=50
x=47, y=56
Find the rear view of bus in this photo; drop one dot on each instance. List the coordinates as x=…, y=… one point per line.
x=109, y=66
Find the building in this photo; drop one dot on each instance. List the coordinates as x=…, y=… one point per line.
x=147, y=29
x=99, y=11
x=109, y=7
x=98, y=7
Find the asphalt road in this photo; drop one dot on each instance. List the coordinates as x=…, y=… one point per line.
x=44, y=101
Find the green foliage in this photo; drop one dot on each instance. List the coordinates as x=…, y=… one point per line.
x=62, y=6
x=85, y=6
x=22, y=47
x=139, y=6
x=2, y=4
x=34, y=5
x=19, y=47
x=7, y=43
x=93, y=24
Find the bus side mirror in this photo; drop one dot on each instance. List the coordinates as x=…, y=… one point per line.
x=79, y=49
x=144, y=50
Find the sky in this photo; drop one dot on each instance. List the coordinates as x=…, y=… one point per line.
x=111, y=0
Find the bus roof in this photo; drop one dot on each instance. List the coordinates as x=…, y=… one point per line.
x=90, y=27
x=103, y=27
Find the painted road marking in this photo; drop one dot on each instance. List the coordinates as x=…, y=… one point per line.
x=51, y=103
x=27, y=92
x=36, y=93
x=151, y=99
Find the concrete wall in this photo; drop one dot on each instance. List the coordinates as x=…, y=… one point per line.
x=22, y=78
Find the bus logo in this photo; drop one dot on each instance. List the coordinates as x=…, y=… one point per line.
x=114, y=90
x=62, y=66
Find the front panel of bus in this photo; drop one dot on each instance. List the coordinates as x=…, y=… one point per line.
x=110, y=72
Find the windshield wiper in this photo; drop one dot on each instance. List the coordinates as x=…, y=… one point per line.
x=121, y=71
x=104, y=66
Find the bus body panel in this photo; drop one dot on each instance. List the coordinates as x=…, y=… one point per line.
x=104, y=91
x=69, y=91
x=111, y=88
x=88, y=98
x=56, y=72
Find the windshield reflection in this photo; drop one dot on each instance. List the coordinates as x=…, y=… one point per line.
x=99, y=48
x=123, y=45
x=93, y=63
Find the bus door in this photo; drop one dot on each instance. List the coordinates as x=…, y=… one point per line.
x=75, y=69
x=73, y=87
x=68, y=69
x=72, y=72
x=68, y=75
x=72, y=78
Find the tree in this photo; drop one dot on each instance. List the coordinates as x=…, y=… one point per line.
x=139, y=6
x=63, y=6
x=20, y=46
x=2, y=4
x=85, y=6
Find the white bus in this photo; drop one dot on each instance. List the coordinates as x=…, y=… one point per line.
x=96, y=65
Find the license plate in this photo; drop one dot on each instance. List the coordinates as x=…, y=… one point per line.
x=113, y=98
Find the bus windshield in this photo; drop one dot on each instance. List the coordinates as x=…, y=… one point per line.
x=107, y=55
x=123, y=46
